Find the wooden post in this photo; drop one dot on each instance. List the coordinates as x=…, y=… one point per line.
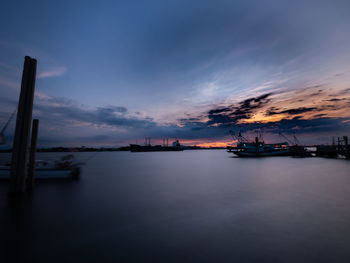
x=23, y=122
x=31, y=165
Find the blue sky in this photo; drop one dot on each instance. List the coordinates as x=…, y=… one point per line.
x=111, y=72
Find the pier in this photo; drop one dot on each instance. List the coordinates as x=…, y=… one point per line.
x=342, y=148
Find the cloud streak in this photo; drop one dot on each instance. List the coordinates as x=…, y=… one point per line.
x=296, y=111
x=52, y=73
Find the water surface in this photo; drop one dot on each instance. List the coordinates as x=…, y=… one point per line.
x=191, y=206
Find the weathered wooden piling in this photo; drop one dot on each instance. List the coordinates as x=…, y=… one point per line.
x=22, y=132
x=31, y=165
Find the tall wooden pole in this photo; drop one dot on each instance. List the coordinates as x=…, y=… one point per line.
x=31, y=165
x=24, y=118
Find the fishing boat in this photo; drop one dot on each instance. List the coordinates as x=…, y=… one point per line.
x=257, y=148
x=65, y=168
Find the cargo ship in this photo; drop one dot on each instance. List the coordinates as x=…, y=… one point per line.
x=176, y=146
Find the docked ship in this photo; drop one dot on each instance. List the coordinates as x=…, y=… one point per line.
x=176, y=146
x=257, y=148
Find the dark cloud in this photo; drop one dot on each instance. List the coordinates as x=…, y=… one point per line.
x=319, y=115
x=336, y=99
x=287, y=126
x=223, y=119
x=116, y=116
x=232, y=114
x=332, y=107
x=191, y=119
x=322, y=124
x=295, y=111
x=309, y=131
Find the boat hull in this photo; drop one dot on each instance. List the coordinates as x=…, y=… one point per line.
x=261, y=154
x=139, y=148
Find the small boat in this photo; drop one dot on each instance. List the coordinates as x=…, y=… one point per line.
x=65, y=168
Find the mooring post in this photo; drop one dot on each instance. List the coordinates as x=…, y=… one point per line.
x=31, y=165
x=22, y=132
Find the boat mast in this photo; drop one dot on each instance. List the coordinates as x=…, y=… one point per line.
x=2, y=137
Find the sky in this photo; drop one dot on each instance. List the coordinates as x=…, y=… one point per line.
x=111, y=73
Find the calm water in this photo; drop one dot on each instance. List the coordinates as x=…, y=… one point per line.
x=191, y=206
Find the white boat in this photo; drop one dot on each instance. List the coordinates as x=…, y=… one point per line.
x=65, y=168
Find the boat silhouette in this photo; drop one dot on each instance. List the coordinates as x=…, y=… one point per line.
x=257, y=148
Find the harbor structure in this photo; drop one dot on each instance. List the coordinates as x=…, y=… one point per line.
x=342, y=148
